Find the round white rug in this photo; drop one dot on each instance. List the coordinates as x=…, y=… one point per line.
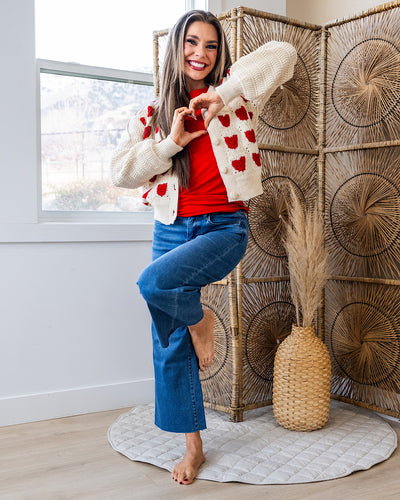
x=258, y=450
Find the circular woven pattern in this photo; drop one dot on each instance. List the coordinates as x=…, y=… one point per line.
x=221, y=346
x=269, y=327
x=290, y=102
x=268, y=213
x=365, y=344
x=302, y=381
x=362, y=334
x=365, y=89
x=365, y=214
x=289, y=117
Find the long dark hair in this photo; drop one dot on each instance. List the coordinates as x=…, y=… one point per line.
x=173, y=91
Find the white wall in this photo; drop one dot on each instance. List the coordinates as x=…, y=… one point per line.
x=17, y=94
x=75, y=336
x=74, y=332
x=273, y=6
x=323, y=11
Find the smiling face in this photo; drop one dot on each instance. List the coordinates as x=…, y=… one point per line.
x=200, y=53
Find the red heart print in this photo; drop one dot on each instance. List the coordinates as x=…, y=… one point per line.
x=150, y=110
x=256, y=158
x=162, y=189
x=225, y=120
x=251, y=136
x=244, y=99
x=228, y=72
x=241, y=113
x=239, y=164
x=232, y=142
x=147, y=132
x=157, y=130
x=251, y=115
x=143, y=120
x=144, y=196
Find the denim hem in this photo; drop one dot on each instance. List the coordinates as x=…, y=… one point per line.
x=184, y=431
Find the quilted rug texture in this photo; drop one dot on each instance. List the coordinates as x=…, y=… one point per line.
x=258, y=450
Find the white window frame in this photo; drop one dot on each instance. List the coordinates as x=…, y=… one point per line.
x=196, y=4
x=98, y=73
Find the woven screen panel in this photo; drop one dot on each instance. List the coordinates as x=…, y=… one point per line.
x=216, y=380
x=362, y=332
x=162, y=47
x=363, y=80
x=267, y=318
x=227, y=25
x=290, y=115
x=363, y=212
x=265, y=255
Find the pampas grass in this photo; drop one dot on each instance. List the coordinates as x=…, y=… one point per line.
x=304, y=244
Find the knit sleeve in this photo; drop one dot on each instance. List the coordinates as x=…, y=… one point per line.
x=257, y=75
x=140, y=156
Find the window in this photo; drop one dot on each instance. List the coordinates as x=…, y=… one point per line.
x=82, y=119
x=85, y=104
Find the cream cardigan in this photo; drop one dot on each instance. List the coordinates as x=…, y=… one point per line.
x=142, y=159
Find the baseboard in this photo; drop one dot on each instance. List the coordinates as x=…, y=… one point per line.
x=44, y=406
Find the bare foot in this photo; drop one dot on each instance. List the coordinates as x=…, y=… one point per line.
x=187, y=470
x=202, y=334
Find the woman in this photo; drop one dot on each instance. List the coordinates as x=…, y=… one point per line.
x=194, y=153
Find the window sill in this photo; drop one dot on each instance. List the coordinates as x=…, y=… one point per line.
x=52, y=232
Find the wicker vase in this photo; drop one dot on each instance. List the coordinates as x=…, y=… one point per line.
x=302, y=381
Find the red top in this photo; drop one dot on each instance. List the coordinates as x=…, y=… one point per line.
x=206, y=192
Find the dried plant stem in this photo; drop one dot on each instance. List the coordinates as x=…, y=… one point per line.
x=306, y=252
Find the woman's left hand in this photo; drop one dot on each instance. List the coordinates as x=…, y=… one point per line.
x=209, y=100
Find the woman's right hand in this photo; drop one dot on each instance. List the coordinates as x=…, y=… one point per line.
x=178, y=133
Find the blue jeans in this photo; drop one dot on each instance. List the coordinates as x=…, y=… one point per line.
x=187, y=255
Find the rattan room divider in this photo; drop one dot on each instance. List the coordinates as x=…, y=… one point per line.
x=332, y=133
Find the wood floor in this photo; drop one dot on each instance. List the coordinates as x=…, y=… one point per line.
x=70, y=458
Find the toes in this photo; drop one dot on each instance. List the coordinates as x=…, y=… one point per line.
x=208, y=361
x=204, y=363
x=181, y=477
x=186, y=478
